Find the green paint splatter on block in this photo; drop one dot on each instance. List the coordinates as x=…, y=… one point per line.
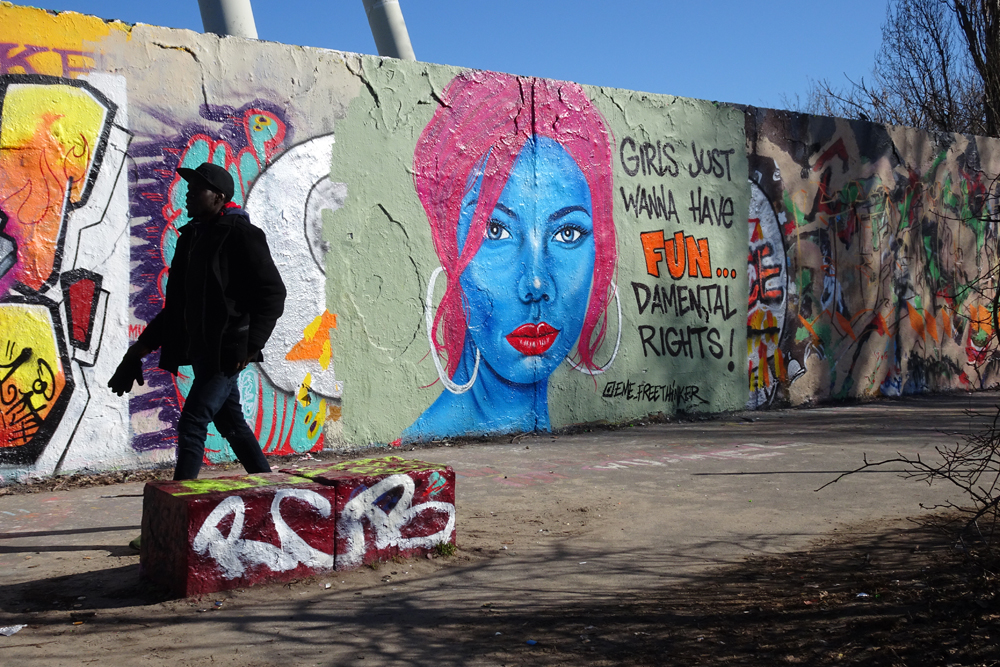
x=192, y=487
x=389, y=465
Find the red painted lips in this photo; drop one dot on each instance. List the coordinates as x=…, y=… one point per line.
x=531, y=339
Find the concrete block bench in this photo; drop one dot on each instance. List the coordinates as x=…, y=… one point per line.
x=387, y=507
x=206, y=535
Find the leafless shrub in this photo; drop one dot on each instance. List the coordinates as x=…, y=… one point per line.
x=938, y=69
x=972, y=465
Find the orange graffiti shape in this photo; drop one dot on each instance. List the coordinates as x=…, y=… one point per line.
x=880, y=325
x=47, y=140
x=32, y=191
x=930, y=325
x=315, y=343
x=982, y=319
x=916, y=319
x=845, y=324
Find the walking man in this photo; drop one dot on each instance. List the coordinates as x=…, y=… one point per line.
x=223, y=297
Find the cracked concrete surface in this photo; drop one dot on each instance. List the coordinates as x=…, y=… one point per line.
x=544, y=521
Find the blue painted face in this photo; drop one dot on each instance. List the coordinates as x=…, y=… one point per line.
x=526, y=289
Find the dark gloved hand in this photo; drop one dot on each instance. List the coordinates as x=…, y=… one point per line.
x=129, y=371
x=240, y=365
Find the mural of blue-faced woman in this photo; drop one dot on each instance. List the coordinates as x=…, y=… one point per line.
x=514, y=175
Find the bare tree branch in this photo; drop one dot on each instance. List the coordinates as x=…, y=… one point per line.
x=938, y=68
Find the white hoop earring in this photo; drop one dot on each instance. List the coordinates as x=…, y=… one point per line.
x=448, y=383
x=618, y=342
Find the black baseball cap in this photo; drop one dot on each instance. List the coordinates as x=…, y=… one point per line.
x=212, y=175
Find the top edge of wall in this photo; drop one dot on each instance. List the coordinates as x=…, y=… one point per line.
x=748, y=109
x=128, y=28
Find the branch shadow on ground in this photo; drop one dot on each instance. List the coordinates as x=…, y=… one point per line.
x=902, y=596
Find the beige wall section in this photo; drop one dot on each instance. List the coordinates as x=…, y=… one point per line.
x=888, y=236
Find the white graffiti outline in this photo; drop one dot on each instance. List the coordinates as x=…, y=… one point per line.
x=234, y=555
x=387, y=526
x=293, y=191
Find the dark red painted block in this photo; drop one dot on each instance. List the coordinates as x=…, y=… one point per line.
x=82, y=301
x=388, y=507
x=201, y=536
x=81, y=289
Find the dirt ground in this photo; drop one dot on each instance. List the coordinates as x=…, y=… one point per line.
x=891, y=592
x=902, y=596
x=570, y=553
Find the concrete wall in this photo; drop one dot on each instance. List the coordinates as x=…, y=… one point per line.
x=665, y=233
x=427, y=219
x=871, y=249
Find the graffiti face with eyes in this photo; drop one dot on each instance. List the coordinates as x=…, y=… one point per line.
x=526, y=289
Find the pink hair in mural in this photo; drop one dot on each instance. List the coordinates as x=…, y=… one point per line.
x=484, y=121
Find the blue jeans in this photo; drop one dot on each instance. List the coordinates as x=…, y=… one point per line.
x=214, y=398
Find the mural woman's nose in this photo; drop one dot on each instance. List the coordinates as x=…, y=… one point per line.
x=535, y=284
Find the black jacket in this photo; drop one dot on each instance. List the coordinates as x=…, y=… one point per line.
x=240, y=299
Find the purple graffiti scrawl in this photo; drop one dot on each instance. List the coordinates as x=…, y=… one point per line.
x=241, y=139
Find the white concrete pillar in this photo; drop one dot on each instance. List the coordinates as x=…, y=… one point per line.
x=388, y=28
x=228, y=17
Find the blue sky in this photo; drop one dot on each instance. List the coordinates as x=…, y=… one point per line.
x=724, y=50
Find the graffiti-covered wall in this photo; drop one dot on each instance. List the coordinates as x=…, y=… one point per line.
x=872, y=250
x=64, y=245
x=465, y=252
x=96, y=118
